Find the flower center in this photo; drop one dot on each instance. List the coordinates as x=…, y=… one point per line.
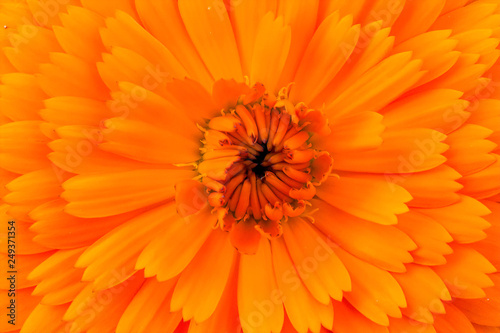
x=257, y=160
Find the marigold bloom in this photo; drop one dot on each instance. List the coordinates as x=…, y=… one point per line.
x=256, y=166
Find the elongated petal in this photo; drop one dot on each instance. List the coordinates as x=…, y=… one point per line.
x=381, y=208
x=144, y=188
x=259, y=301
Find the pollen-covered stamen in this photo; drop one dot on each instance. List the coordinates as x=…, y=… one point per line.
x=257, y=160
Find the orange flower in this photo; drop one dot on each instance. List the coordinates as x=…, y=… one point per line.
x=251, y=166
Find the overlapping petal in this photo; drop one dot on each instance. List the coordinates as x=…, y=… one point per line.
x=382, y=218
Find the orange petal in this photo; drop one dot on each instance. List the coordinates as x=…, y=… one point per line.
x=439, y=109
x=463, y=220
x=453, y=321
x=147, y=304
x=379, y=202
x=302, y=309
x=483, y=311
x=259, y=300
x=329, y=49
x=321, y=271
x=377, y=297
x=190, y=197
x=402, y=151
x=185, y=236
x=272, y=43
x=353, y=133
x=174, y=36
x=434, y=188
x=422, y=302
x=143, y=188
x=465, y=273
x=430, y=237
x=214, y=262
x=209, y=27
x=244, y=237
x=349, y=320
x=383, y=246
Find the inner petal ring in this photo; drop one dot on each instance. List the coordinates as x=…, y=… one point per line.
x=257, y=158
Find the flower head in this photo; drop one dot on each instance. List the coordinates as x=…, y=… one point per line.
x=250, y=166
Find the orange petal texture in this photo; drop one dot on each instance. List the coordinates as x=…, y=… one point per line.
x=250, y=166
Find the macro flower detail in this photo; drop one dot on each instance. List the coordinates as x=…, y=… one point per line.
x=250, y=166
x=258, y=164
